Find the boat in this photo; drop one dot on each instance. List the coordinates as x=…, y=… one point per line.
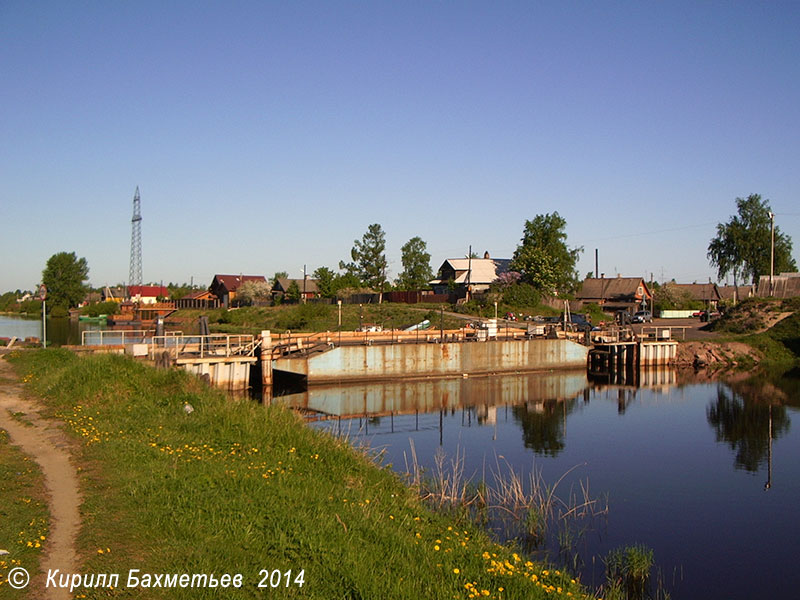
x=90, y=319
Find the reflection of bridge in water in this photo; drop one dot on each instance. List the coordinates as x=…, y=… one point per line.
x=431, y=395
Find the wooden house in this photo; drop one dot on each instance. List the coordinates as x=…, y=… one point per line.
x=469, y=274
x=224, y=286
x=707, y=293
x=147, y=294
x=785, y=285
x=203, y=299
x=615, y=293
x=731, y=293
x=307, y=287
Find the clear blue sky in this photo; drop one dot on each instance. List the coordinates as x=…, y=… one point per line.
x=268, y=135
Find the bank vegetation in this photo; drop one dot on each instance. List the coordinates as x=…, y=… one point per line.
x=179, y=478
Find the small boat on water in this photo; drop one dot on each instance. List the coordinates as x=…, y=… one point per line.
x=89, y=319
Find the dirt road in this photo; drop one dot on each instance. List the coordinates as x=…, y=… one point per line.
x=43, y=441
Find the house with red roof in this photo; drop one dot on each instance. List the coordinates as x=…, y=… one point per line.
x=224, y=286
x=147, y=294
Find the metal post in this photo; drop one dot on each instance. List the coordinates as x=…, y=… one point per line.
x=339, y=302
x=771, y=250
x=596, y=263
x=43, y=298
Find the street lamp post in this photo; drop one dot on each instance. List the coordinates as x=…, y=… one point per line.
x=339, y=302
x=43, y=296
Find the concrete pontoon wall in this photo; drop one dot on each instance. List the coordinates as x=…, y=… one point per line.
x=407, y=360
x=231, y=373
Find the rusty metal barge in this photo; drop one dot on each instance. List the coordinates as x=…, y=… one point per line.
x=374, y=356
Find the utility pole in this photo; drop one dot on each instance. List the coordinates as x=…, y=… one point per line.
x=771, y=250
x=469, y=272
x=596, y=263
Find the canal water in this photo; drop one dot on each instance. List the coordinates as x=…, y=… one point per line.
x=705, y=473
x=60, y=331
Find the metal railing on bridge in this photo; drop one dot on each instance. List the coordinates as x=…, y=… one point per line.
x=117, y=337
x=663, y=333
x=203, y=346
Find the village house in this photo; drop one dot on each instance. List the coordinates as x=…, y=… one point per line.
x=785, y=285
x=473, y=275
x=114, y=294
x=147, y=294
x=707, y=293
x=224, y=286
x=615, y=293
x=307, y=287
x=735, y=293
x=200, y=299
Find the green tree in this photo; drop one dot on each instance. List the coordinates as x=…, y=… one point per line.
x=293, y=293
x=543, y=258
x=369, y=258
x=326, y=282
x=742, y=245
x=416, y=265
x=64, y=275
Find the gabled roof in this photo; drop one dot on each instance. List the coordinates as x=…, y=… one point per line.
x=474, y=271
x=198, y=295
x=148, y=291
x=726, y=292
x=283, y=283
x=700, y=291
x=232, y=282
x=612, y=288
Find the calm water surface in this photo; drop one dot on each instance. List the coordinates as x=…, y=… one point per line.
x=705, y=474
x=59, y=331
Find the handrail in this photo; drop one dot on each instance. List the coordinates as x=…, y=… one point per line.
x=214, y=344
x=134, y=336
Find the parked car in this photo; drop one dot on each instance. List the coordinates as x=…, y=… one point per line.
x=642, y=316
x=705, y=315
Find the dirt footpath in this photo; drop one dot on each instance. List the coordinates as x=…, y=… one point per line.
x=50, y=448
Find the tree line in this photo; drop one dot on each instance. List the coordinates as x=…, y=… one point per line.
x=542, y=264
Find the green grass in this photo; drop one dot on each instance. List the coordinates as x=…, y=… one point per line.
x=23, y=514
x=236, y=487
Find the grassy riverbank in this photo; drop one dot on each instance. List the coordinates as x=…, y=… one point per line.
x=24, y=522
x=771, y=326
x=234, y=487
x=318, y=317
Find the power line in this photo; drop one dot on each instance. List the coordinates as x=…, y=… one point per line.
x=644, y=233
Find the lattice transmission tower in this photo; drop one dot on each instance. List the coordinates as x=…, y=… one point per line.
x=135, y=276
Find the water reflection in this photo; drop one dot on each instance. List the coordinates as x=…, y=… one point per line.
x=748, y=416
x=426, y=396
